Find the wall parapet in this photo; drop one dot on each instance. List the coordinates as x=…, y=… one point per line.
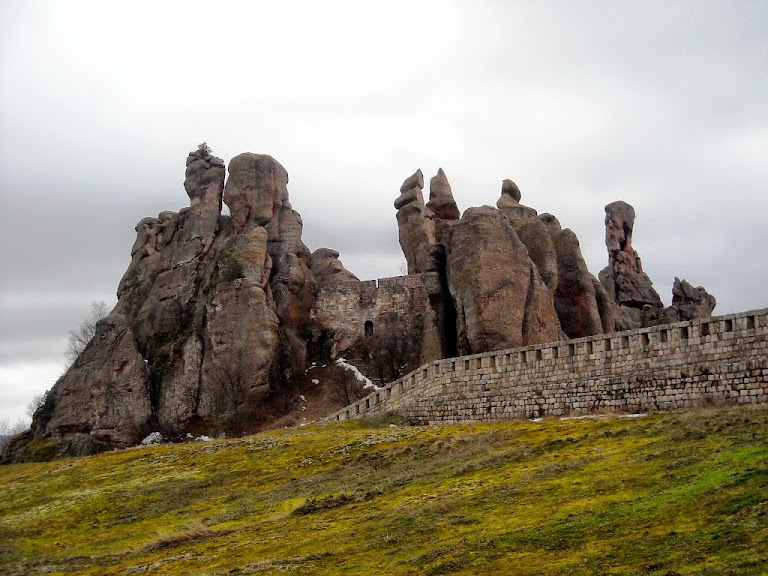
x=716, y=360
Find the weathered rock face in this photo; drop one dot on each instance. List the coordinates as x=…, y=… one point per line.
x=636, y=302
x=214, y=311
x=194, y=335
x=257, y=195
x=327, y=267
x=441, y=208
x=623, y=278
x=415, y=229
x=688, y=303
x=256, y=190
x=509, y=203
x=203, y=178
x=541, y=250
x=575, y=299
x=500, y=299
x=106, y=391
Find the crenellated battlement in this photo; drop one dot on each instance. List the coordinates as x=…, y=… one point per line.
x=715, y=360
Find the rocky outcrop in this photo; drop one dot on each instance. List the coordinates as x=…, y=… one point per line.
x=257, y=195
x=500, y=299
x=623, y=279
x=636, y=302
x=256, y=190
x=509, y=203
x=327, y=267
x=415, y=228
x=214, y=312
x=441, y=208
x=203, y=310
x=688, y=303
x=575, y=299
x=541, y=250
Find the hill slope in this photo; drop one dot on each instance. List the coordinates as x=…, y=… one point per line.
x=663, y=494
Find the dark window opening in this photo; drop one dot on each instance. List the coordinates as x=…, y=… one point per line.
x=368, y=328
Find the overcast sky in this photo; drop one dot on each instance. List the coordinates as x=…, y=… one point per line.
x=661, y=104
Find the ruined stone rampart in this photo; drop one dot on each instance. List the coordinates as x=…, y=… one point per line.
x=346, y=307
x=705, y=361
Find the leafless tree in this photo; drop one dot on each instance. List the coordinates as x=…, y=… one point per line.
x=394, y=348
x=287, y=369
x=346, y=388
x=79, y=339
x=34, y=404
x=235, y=382
x=8, y=430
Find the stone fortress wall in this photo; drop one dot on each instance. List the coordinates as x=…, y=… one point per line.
x=348, y=305
x=715, y=360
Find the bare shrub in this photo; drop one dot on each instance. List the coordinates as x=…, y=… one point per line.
x=79, y=339
x=345, y=388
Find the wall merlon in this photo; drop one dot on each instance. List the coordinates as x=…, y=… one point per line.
x=714, y=360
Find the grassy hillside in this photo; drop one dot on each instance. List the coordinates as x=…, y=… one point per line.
x=664, y=494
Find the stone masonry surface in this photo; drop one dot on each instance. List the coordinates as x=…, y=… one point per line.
x=347, y=306
x=718, y=360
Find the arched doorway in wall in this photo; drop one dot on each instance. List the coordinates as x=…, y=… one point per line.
x=368, y=328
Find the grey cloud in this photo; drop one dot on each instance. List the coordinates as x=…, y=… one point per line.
x=656, y=103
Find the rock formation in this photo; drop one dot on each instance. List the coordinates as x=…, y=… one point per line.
x=415, y=228
x=688, y=303
x=500, y=299
x=207, y=306
x=575, y=298
x=327, y=267
x=623, y=278
x=215, y=313
x=636, y=302
x=441, y=207
x=509, y=203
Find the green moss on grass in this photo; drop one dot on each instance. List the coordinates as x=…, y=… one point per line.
x=667, y=494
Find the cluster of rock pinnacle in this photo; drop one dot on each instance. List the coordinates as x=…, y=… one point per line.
x=210, y=298
x=512, y=277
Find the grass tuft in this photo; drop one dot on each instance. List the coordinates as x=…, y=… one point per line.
x=193, y=531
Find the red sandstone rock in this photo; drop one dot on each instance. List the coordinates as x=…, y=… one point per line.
x=327, y=267
x=414, y=224
x=500, y=299
x=575, y=299
x=509, y=203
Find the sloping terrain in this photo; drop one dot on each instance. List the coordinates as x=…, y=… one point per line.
x=667, y=494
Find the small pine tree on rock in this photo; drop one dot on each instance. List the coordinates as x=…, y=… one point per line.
x=204, y=149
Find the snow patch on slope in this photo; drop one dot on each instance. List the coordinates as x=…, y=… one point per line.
x=356, y=371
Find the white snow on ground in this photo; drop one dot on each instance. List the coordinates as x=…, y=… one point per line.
x=536, y=419
x=303, y=399
x=315, y=381
x=632, y=415
x=356, y=371
x=153, y=438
